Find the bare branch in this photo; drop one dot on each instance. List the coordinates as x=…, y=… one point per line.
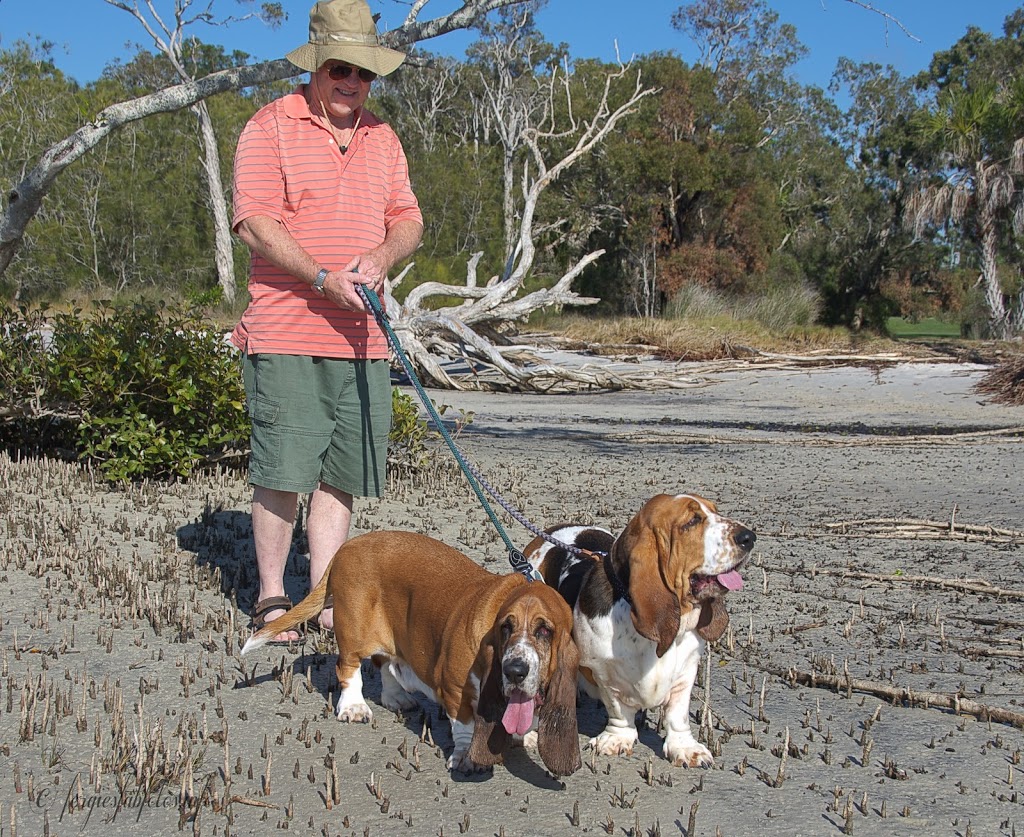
x=27, y=196
x=888, y=19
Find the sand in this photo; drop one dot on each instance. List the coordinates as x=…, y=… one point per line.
x=123, y=611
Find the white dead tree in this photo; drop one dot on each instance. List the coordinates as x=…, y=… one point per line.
x=510, y=100
x=169, y=36
x=26, y=197
x=472, y=329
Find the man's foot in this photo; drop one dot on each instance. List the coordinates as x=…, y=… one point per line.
x=269, y=609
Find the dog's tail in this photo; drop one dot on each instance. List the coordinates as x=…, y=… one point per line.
x=305, y=610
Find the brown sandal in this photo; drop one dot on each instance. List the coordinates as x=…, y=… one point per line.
x=271, y=603
x=313, y=625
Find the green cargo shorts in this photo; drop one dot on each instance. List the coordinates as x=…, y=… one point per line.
x=318, y=420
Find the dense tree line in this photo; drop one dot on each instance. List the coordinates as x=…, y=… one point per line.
x=733, y=176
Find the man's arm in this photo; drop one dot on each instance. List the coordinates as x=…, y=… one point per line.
x=271, y=240
x=399, y=243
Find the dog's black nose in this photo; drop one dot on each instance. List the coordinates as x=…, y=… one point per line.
x=515, y=671
x=744, y=539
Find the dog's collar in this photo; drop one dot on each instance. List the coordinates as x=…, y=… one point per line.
x=618, y=587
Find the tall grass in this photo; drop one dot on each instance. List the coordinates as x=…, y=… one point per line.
x=703, y=324
x=779, y=310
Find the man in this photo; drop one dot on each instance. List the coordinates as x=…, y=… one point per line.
x=323, y=200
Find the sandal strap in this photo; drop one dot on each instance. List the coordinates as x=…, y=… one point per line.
x=271, y=603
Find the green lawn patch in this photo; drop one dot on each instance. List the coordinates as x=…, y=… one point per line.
x=901, y=329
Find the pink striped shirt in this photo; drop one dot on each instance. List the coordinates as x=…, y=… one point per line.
x=336, y=206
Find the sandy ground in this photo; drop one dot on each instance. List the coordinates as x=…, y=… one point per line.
x=126, y=708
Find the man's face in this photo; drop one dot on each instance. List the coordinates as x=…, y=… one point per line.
x=344, y=96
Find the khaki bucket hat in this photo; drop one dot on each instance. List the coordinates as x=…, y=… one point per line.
x=343, y=30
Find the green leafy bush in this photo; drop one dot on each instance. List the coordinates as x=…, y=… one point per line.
x=412, y=444
x=139, y=391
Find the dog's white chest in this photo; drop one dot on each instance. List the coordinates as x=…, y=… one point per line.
x=626, y=664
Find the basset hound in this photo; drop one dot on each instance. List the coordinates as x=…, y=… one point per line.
x=644, y=605
x=490, y=649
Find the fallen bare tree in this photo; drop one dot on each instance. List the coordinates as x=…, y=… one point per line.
x=475, y=329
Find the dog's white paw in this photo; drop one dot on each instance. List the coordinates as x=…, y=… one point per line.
x=616, y=743
x=683, y=751
x=356, y=713
x=460, y=762
x=530, y=740
x=398, y=700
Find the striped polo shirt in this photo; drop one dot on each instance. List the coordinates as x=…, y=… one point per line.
x=336, y=206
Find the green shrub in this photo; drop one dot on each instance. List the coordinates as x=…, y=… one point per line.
x=157, y=392
x=140, y=390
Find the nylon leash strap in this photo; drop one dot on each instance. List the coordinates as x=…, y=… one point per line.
x=515, y=556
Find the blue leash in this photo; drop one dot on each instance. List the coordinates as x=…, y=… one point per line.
x=515, y=556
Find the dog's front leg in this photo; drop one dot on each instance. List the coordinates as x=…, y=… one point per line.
x=462, y=735
x=620, y=734
x=681, y=748
x=394, y=694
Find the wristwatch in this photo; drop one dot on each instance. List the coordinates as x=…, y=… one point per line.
x=318, y=283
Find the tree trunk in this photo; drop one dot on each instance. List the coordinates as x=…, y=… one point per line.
x=27, y=196
x=998, y=321
x=218, y=204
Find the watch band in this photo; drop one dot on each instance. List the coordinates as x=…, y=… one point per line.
x=318, y=283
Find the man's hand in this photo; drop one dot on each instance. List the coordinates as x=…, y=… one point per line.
x=340, y=287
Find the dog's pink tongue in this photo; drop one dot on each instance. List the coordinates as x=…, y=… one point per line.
x=518, y=716
x=731, y=580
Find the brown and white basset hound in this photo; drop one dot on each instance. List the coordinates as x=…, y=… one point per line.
x=644, y=605
x=490, y=649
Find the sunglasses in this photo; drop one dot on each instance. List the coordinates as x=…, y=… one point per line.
x=340, y=71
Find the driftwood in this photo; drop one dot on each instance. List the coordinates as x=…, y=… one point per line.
x=915, y=529
x=897, y=695
x=475, y=329
x=902, y=695
x=966, y=585
x=924, y=530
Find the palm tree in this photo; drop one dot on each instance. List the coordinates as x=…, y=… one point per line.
x=978, y=136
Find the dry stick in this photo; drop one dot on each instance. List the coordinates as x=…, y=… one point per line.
x=973, y=585
x=913, y=532
x=256, y=803
x=991, y=652
x=904, y=694
x=946, y=527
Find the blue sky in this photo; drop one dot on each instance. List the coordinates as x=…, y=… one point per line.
x=89, y=33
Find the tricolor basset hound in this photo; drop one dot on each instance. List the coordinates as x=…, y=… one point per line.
x=490, y=649
x=644, y=605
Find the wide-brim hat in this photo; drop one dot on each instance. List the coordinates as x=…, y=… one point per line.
x=343, y=30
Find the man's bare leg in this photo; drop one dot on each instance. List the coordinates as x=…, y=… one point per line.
x=330, y=515
x=273, y=517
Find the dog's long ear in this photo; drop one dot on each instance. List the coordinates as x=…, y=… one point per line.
x=489, y=735
x=655, y=608
x=713, y=619
x=557, y=733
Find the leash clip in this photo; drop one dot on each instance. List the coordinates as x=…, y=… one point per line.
x=521, y=565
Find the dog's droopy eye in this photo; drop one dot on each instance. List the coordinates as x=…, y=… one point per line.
x=506, y=629
x=543, y=632
x=696, y=520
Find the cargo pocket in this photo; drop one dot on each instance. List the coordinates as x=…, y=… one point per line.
x=266, y=434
